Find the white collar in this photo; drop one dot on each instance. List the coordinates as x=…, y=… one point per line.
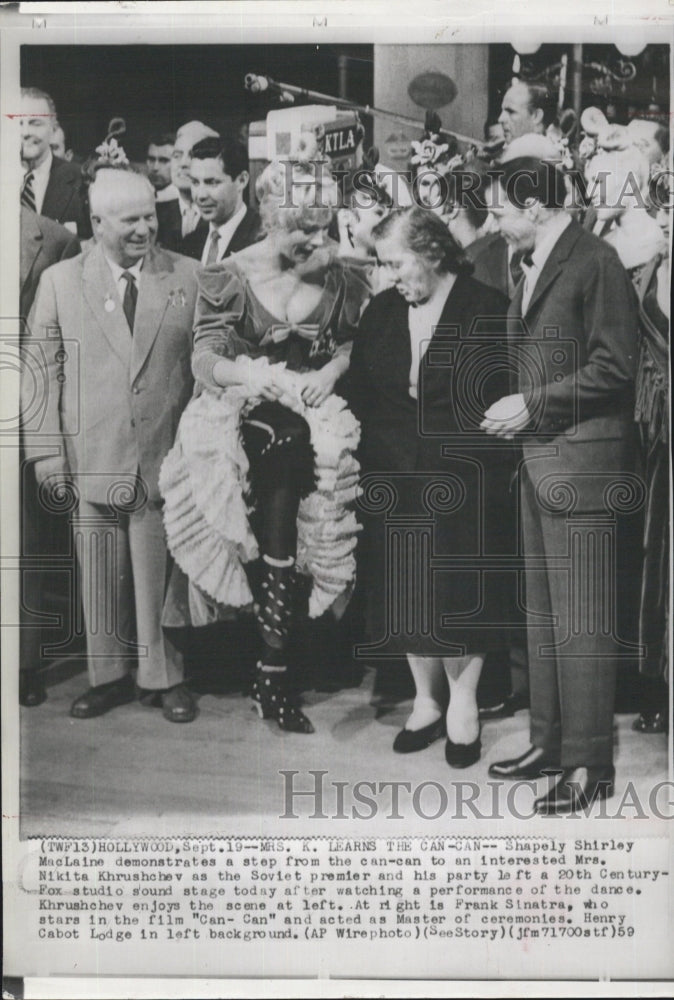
x=44, y=169
x=118, y=270
x=184, y=205
x=553, y=231
x=228, y=227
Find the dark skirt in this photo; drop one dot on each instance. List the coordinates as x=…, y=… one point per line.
x=438, y=560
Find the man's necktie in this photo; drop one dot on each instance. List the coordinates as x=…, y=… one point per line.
x=516, y=267
x=130, y=298
x=212, y=255
x=27, y=193
x=530, y=279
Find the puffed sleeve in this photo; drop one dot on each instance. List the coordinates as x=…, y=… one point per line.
x=221, y=303
x=356, y=294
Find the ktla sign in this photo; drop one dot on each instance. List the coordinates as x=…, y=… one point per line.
x=340, y=144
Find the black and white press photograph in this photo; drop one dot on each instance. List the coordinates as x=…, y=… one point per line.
x=337, y=483
x=344, y=424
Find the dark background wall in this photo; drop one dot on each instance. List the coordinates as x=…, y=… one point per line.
x=160, y=87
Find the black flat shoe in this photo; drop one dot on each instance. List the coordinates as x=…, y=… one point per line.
x=100, y=699
x=31, y=689
x=577, y=788
x=462, y=754
x=530, y=764
x=411, y=740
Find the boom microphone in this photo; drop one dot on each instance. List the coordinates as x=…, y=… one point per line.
x=256, y=84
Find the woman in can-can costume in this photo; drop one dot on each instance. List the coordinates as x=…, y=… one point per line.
x=259, y=484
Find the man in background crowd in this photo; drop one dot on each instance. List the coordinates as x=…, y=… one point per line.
x=158, y=163
x=219, y=177
x=59, y=145
x=526, y=108
x=179, y=216
x=51, y=186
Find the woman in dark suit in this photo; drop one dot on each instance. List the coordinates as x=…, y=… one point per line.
x=428, y=359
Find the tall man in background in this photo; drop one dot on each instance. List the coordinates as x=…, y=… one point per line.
x=51, y=186
x=179, y=216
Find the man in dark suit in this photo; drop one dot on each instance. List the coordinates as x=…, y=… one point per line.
x=490, y=259
x=118, y=376
x=573, y=327
x=178, y=216
x=43, y=243
x=219, y=176
x=51, y=186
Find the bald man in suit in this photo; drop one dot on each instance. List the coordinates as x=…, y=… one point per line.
x=113, y=407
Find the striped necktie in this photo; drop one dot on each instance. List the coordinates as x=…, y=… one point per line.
x=27, y=193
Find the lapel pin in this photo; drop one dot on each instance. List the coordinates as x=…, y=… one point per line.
x=177, y=298
x=109, y=304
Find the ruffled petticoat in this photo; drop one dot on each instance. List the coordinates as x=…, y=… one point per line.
x=204, y=483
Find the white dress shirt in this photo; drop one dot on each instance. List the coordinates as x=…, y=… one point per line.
x=226, y=231
x=40, y=181
x=421, y=320
x=117, y=272
x=532, y=271
x=189, y=214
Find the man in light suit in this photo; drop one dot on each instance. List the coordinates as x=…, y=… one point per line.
x=218, y=177
x=115, y=327
x=43, y=243
x=573, y=324
x=51, y=186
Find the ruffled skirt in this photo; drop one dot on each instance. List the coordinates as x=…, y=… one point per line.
x=204, y=481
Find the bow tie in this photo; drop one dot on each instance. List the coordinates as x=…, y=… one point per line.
x=281, y=331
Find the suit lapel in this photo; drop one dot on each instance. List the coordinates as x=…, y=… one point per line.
x=31, y=243
x=58, y=193
x=244, y=234
x=98, y=288
x=150, y=308
x=553, y=265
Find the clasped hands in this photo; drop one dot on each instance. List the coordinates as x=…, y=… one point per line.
x=316, y=386
x=506, y=417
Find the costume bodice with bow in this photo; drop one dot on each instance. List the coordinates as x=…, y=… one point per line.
x=230, y=320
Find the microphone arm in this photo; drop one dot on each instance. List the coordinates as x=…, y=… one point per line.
x=256, y=84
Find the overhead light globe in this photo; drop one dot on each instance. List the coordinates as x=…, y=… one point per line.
x=631, y=44
x=525, y=44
